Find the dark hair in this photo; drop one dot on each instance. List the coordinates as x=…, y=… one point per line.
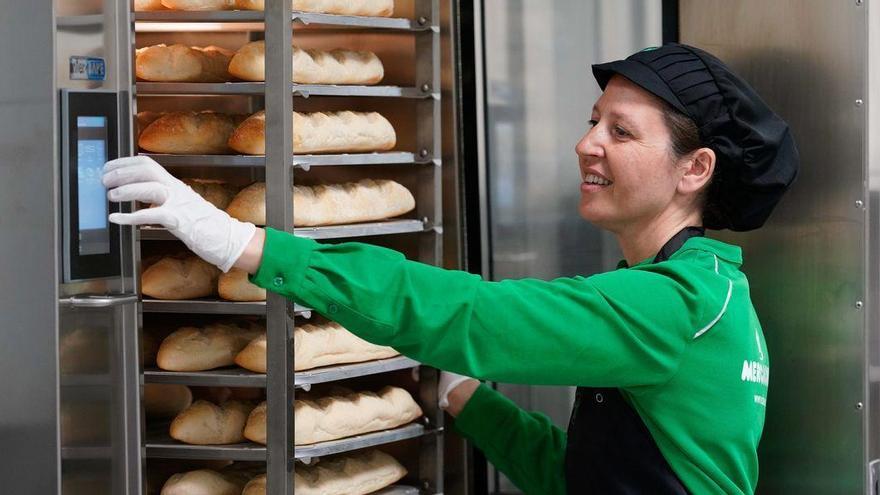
x=685, y=137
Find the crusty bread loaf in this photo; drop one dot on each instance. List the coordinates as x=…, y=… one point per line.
x=318, y=345
x=206, y=348
x=206, y=423
x=320, y=132
x=181, y=63
x=175, y=277
x=216, y=192
x=336, y=204
x=235, y=286
x=342, y=414
x=148, y=5
x=189, y=133
x=311, y=66
x=375, y=8
x=163, y=400
x=144, y=119
x=199, y=4
x=204, y=482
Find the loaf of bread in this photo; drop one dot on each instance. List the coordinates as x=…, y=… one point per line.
x=336, y=204
x=341, y=414
x=206, y=423
x=375, y=8
x=216, y=192
x=204, y=482
x=318, y=345
x=180, y=277
x=148, y=5
x=189, y=133
x=165, y=400
x=206, y=348
x=144, y=119
x=199, y=4
x=181, y=63
x=311, y=66
x=320, y=132
x=235, y=286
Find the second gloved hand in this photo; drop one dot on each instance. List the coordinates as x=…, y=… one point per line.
x=206, y=230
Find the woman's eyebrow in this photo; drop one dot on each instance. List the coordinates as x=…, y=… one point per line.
x=617, y=115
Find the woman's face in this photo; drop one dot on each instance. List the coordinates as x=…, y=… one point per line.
x=627, y=167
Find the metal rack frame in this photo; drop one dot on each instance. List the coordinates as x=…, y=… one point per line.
x=281, y=164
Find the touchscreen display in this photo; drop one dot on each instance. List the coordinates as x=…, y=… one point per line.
x=91, y=146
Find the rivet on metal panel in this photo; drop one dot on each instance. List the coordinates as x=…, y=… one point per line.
x=859, y=406
x=423, y=21
x=423, y=152
x=426, y=484
x=860, y=204
x=859, y=3
x=859, y=304
x=859, y=102
x=426, y=87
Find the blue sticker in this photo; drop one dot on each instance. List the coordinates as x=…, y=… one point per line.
x=87, y=69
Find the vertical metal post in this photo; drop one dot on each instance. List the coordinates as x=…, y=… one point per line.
x=279, y=215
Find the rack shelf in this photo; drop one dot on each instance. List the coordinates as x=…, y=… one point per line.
x=258, y=88
x=362, y=22
x=214, y=378
x=332, y=232
x=160, y=445
x=305, y=379
x=202, y=16
x=306, y=453
x=301, y=161
x=214, y=306
x=399, y=490
x=307, y=90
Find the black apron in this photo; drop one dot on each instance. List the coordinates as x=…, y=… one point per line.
x=609, y=450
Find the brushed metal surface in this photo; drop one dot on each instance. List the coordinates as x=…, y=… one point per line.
x=807, y=266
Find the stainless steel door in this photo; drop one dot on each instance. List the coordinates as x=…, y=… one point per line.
x=539, y=94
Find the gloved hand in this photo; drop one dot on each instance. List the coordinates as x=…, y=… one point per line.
x=447, y=382
x=209, y=232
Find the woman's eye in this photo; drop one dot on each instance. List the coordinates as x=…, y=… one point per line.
x=620, y=131
x=592, y=123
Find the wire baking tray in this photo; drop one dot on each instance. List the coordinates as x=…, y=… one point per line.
x=413, y=430
x=305, y=379
x=214, y=306
x=404, y=226
x=159, y=444
x=301, y=161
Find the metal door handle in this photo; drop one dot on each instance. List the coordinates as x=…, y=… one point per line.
x=103, y=301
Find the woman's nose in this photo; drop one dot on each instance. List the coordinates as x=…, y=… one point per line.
x=590, y=144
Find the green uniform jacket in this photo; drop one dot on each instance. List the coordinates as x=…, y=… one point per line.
x=680, y=338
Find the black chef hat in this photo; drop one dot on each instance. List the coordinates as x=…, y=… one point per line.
x=756, y=156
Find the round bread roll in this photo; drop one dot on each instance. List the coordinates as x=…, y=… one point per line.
x=311, y=66
x=206, y=348
x=374, y=8
x=189, y=133
x=199, y=4
x=181, y=63
x=203, y=482
x=235, y=286
x=320, y=132
x=205, y=423
x=163, y=400
x=186, y=277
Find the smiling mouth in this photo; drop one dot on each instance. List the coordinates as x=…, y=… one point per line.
x=596, y=180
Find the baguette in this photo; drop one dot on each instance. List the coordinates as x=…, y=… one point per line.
x=189, y=133
x=235, y=286
x=204, y=482
x=374, y=8
x=320, y=132
x=311, y=66
x=144, y=119
x=148, y=5
x=216, y=192
x=205, y=423
x=199, y=4
x=314, y=346
x=341, y=415
x=181, y=63
x=165, y=400
x=363, y=201
x=186, y=277
x=205, y=348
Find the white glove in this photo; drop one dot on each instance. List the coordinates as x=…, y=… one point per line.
x=209, y=232
x=447, y=382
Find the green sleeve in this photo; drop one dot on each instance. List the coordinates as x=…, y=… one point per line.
x=622, y=328
x=526, y=447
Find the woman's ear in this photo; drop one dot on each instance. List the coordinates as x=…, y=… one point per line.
x=699, y=167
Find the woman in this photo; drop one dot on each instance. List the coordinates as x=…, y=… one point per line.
x=667, y=352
